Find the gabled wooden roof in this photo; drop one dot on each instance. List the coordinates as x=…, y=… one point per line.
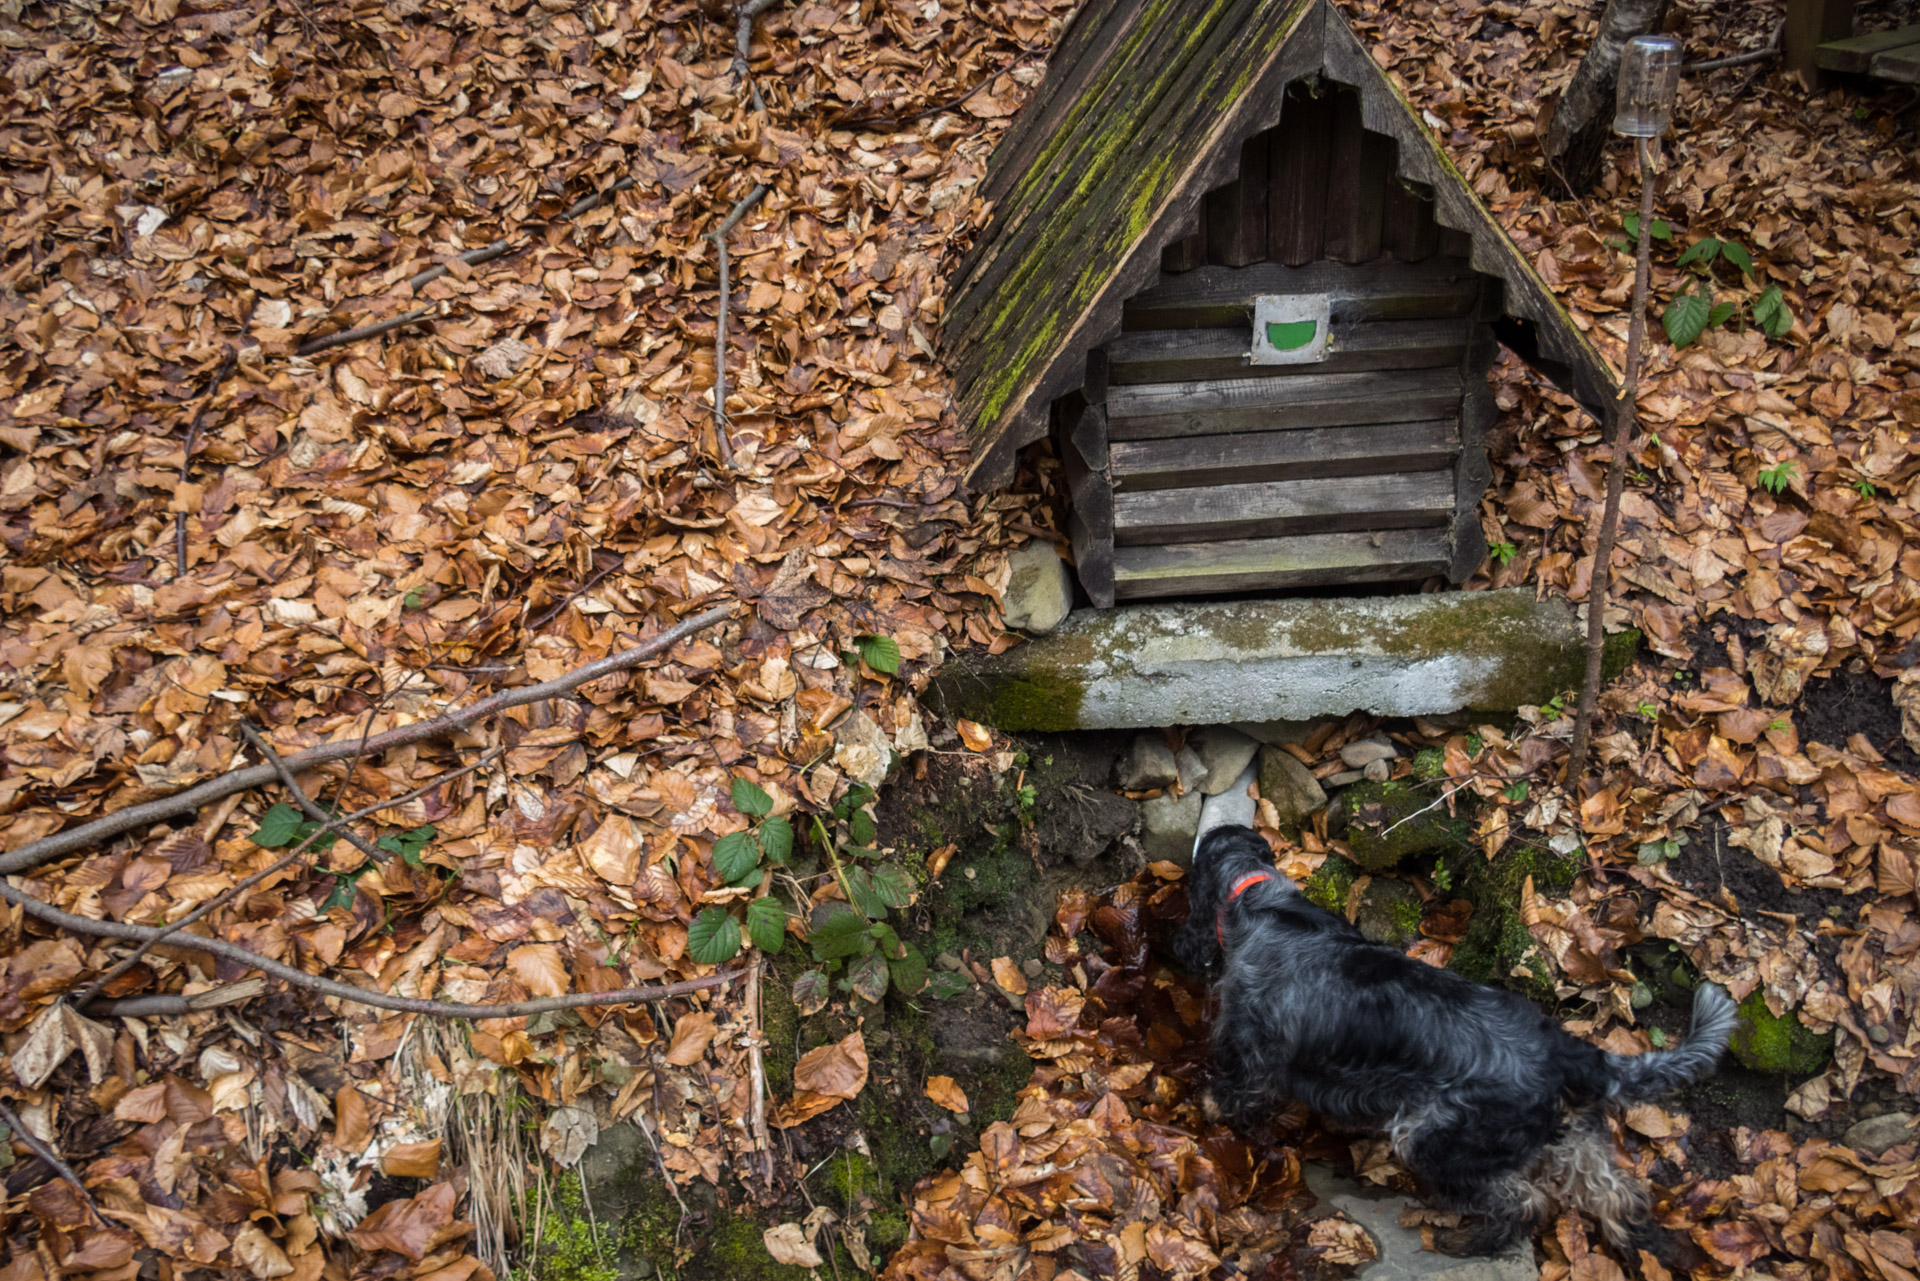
x=1145, y=108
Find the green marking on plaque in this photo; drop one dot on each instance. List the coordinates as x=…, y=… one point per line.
x=1291, y=335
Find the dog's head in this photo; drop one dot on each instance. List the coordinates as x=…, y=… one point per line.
x=1225, y=854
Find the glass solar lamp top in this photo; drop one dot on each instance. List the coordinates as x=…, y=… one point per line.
x=1649, y=83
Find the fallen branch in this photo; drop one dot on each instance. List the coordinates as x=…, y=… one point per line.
x=314, y=346
x=743, y=46
x=52, y=1158
x=41, y=910
x=1768, y=50
x=719, y=237
x=141, y=1007
x=245, y=779
x=228, y=895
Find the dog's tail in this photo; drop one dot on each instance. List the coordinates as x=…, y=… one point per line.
x=1635, y=1078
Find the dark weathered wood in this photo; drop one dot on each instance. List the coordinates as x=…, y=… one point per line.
x=1810, y=24
x=1161, y=410
x=1357, y=184
x=1857, y=53
x=1408, y=230
x=1419, y=158
x=1455, y=243
x=1218, y=297
x=1275, y=564
x=1472, y=472
x=1022, y=348
x=1236, y=218
x=1085, y=52
x=1247, y=457
x=1296, y=216
x=1185, y=253
x=1902, y=65
x=1410, y=500
x=1196, y=355
x=1083, y=456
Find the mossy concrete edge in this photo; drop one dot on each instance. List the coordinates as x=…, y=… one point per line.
x=1147, y=666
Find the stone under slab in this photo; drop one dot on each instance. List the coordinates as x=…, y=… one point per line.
x=1401, y=1256
x=1217, y=663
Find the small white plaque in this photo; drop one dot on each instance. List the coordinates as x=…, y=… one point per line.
x=1291, y=329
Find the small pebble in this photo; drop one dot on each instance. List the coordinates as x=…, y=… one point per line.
x=1878, y=1034
x=1032, y=968
x=949, y=961
x=1345, y=778
x=1377, y=771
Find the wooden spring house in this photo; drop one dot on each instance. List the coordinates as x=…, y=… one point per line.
x=1233, y=273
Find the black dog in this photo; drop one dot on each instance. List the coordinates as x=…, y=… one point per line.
x=1497, y=1109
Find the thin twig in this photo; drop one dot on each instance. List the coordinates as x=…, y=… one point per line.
x=39, y=909
x=1438, y=802
x=719, y=237
x=228, y=895
x=245, y=779
x=313, y=346
x=756, y=1059
x=1622, y=436
x=473, y=258
x=548, y=616
x=743, y=46
x=186, y=461
x=685, y=1214
x=1761, y=54
x=300, y=796
x=46, y=1153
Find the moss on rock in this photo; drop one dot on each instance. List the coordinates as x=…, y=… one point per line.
x=1778, y=1045
x=1498, y=948
x=1387, y=822
x=1329, y=885
x=1617, y=653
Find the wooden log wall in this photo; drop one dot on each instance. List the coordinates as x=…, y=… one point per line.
x=1193, y=472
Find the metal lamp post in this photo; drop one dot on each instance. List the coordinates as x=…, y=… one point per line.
x=1649, y=83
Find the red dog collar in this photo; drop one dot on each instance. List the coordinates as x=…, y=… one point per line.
x=1239, y=887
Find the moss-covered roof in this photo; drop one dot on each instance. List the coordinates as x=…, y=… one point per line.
x=1145, y=108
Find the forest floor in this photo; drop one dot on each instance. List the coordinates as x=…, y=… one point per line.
x=217, y=520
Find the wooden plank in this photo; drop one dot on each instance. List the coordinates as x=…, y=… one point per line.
x=1236, y=214
x=1296, y=216
x=1218, y=297
x=1266, y=509
x=1283, y=455
x=1810, y=24
x=1277, y=564
x=1083, y=456
x=1901, y=65
x=1159, y=410
x=1084, y=53
x=1408, y=230
x=1357, y=184
x=1857, y=53
x=1186, y=253
x=1455, y=243
x=1195, y=355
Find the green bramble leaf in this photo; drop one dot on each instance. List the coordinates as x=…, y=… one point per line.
x=1772, y=314
x=767, y=924
x=735, y=856
x=811, y=993
x=881, y=652
x=860, y=829
x=1702, y=251
x=750, y=799
x=278, y=826
x=1737, y=255
x=909, y=972
x=1686, y=318
x=713, y=937
x=946, y=984
x=868, y=977
x=1721, y=313
x=842, y=934
x=344, y=890
x=893, y=886
x=409, y=844
x=776, y=839
x=1516, y=792
x=865, y=897
x=888, y=940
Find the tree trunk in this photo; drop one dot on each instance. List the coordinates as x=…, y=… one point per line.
x=1576, y=136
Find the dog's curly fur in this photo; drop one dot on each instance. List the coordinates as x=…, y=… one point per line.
x=1498, y=1110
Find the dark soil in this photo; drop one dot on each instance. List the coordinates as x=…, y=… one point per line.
x=1710, y=867
x=1848, y=703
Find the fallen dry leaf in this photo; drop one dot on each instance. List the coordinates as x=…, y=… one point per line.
x=942, y=1090
x=1008, y=975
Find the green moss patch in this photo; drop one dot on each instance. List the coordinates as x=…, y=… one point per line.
x=1388, y=822
x=1498, y=948
x=1777, y=1045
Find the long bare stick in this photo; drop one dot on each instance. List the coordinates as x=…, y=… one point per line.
x=228, y=895
x=756, y=1059
x=314, y=346
x=41, y=910
x=722, y=441
x=186, y=461
x=240, y=780
x=52, y=1158
x=1622, y=433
